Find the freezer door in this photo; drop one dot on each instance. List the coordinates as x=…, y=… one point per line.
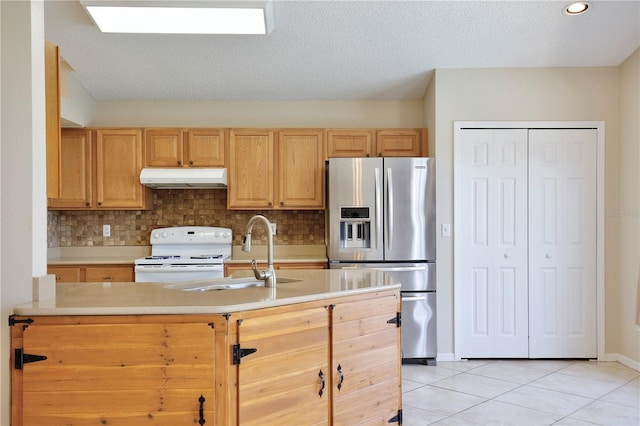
x=409, y=209
x=419, y=325
x=354, y=209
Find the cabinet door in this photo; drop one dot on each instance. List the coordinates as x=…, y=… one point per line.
x=75, y=170
x=562, y=243
x=365, y=367
x=285, y=381
x=121, y=273
x=349, y=143
x=66, y=274
x=162, y=148
x=300, y=169
x=205, y=147
x=398, y=143
x=118, y=165
x=52, y=117
x=493, y=250
x=251, y=182
x=117, y=373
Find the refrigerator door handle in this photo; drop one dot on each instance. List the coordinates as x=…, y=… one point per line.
x=378, y=202
x=389, y=217
x=414, y=298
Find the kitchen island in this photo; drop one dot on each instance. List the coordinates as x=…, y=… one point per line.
x=321, y=348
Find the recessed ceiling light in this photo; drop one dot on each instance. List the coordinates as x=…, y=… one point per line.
x=576, y=8
x=180, y=18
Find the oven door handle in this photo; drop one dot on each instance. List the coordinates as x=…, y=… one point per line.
x=178, y=268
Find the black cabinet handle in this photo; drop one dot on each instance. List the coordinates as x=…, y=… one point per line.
x=201, y=400
x=191, y=162
x=341, y=377
x=321, y=375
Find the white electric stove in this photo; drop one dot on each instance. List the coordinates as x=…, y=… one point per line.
x=185, y=253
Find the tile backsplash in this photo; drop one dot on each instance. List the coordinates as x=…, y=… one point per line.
x=172, y=207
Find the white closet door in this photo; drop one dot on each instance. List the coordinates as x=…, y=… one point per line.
x=562, y=243
x=493, y=243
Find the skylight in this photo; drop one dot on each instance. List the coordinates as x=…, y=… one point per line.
x=166, y=19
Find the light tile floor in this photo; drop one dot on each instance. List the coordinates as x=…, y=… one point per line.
x=520, y=393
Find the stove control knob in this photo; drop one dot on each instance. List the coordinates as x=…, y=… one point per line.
x=165, y=235
x=216, y=234
x=156, y=235
x=226, y=235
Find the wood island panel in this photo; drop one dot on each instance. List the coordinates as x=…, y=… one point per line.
x=131, y=370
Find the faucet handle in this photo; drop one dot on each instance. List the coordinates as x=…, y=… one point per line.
x=256, y=272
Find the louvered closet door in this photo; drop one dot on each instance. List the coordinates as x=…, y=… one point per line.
x=562, y=238
x=493, y=238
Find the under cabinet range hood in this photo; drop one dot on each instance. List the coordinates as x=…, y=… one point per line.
x=184, y=178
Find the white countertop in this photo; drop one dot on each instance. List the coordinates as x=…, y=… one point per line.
x=154, y=299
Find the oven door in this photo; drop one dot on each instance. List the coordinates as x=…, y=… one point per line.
x=175, y=273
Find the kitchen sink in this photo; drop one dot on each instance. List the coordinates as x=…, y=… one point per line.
x=224, y=284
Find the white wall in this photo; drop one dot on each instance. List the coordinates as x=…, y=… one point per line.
x=23, y=217
x=629, y=209
x=260, y=114
x=77, y=107
x=571, y=94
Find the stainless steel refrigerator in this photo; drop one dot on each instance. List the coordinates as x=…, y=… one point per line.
x=381, y=214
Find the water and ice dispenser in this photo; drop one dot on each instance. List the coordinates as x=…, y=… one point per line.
x=355, y=227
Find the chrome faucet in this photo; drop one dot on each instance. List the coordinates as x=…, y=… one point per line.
x=268, y=275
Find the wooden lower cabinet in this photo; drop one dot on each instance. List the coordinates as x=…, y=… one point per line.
x=92, y=273
x=285, y=381
x=113, y=371
x=365, y=364
x=326, y=362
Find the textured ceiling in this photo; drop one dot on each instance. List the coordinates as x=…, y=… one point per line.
x=341, y=50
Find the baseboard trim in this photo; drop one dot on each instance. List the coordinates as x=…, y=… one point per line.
x=445, y=357
x=624, y=360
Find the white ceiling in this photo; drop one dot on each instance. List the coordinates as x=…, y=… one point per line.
x=341, y=50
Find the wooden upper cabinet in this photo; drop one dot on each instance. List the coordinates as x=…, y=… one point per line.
x=101, y=170
x=52, y=117
x=204, y=147
x=349, y=143
x=163, y=147
x=118, y=165
x=251, y=162
x=76, y=171
x=184, y=147
x=399, y=143
x=287, y=166
x=376, y=143
x=300, y=169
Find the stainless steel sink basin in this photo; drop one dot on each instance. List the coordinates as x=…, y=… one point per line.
x=223, y=284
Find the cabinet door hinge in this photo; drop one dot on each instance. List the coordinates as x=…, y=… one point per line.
x=21, y=358
x=397, y=418
x=239, y=353
x=397, y=320
x=13, y=321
